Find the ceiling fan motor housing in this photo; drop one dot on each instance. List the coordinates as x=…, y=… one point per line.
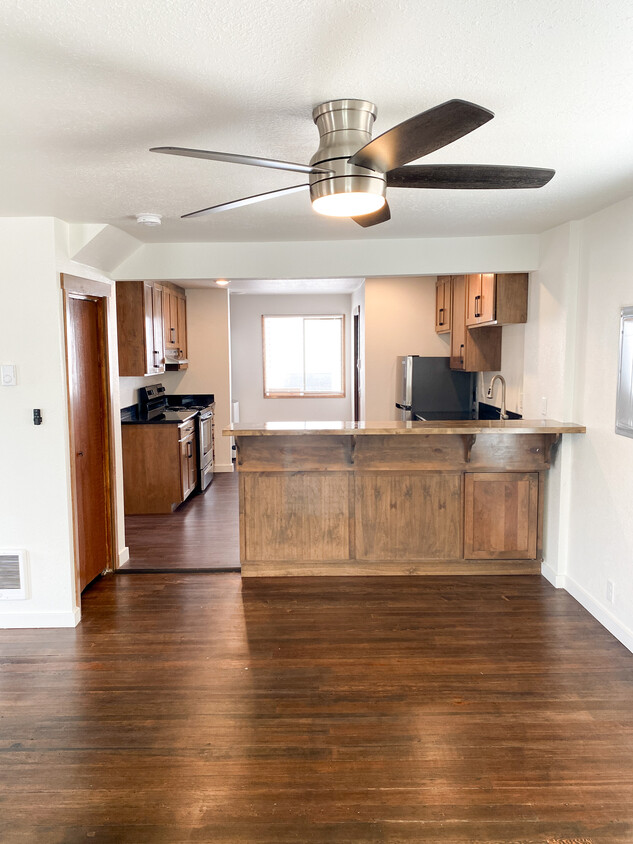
x=344, y=127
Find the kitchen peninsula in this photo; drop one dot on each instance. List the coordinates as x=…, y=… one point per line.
x=371, y=498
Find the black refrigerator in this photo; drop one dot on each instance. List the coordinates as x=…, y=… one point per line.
x=427, y=388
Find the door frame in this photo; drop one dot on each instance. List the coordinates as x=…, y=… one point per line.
x=356, y=364
x=75, y=287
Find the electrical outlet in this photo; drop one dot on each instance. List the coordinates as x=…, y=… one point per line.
x=520, y=402
x=610, y=592
x=544, y=406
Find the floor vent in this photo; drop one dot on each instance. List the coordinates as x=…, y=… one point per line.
x=12, y=575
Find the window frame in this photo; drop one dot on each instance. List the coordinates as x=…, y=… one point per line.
x=301, y=394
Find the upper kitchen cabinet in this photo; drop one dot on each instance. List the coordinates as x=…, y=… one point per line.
x=139, y=306
x=472, y=350
x=496, y=298
x=443, y=304
x=151, y=318
x=175, y=326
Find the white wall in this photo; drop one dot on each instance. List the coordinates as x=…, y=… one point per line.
x=512, y=369
x=35, y=501
x=208, y=343
x=399, y=320
x=601, y=519
x=549, y=373
x=247, y=363
x=333, y=259
x=128, y=387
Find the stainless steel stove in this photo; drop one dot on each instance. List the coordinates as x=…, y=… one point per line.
x=154, y=402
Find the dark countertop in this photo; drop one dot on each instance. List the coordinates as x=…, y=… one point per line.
x=130, y=416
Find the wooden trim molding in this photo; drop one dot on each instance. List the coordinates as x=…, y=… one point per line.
x=85, y=286
x=76, y=287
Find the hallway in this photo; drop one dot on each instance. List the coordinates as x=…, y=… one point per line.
x=201, y=535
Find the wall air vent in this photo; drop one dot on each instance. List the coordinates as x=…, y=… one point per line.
x=13, y=577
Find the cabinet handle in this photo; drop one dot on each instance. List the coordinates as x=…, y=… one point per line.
x=461, y=354
x=189, y=450
x=441, y=316
x=477, y=311
x=172, y=332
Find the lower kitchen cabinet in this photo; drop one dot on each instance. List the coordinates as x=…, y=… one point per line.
x=501, y=515
x=187, y=464
x=159, y=466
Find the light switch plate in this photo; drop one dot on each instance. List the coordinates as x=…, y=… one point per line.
x=8, y=376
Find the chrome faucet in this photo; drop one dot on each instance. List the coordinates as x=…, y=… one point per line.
x=503, y=414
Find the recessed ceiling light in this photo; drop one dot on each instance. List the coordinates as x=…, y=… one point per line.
x=149, y=219
x=221, y=281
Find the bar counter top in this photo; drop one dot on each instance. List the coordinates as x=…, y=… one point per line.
x=475, y=426
x=354, y=498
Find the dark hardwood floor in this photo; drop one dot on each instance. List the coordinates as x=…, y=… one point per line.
x=203, y=709
x=203, y=533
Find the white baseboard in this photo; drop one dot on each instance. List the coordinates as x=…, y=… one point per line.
x=124, y=555
x=223, y=467
x=557, y=580
x=621, y=632
x=40, y=619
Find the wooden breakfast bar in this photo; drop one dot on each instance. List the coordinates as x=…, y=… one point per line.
x=374, y=498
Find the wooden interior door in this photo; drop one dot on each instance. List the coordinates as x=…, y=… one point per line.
x=86, y=351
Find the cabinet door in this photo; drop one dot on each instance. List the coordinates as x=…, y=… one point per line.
x=154, y=347
x=458, y=332
x=443, y=304
x=188, y=465
x=169, y=319
x=473, y=299
x=157, y=326
x=501, y=515
x=181, y=321
x=488, y=298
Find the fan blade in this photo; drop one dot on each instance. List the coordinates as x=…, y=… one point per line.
x=381, y=216
x=421, y=135
x=240, y=159
x=468, y=177
x=247, y=200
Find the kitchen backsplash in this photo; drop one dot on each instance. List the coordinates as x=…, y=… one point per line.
x=128, y=387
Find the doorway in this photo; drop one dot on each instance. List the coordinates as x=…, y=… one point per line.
x=356, y=365
x=90, y=438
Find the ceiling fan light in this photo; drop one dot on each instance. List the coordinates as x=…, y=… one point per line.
x=351, y=204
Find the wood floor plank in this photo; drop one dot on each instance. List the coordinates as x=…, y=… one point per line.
x=201, y=534
x=195, y=708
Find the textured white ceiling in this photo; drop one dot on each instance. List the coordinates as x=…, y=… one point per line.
x=87, y=86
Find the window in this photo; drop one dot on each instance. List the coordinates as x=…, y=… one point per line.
x=303, y=356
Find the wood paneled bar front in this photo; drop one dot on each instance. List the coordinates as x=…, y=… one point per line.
x=373, y=498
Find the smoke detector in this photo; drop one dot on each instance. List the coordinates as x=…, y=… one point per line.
x=149, y=219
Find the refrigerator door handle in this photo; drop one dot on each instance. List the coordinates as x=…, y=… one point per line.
x=404, y=406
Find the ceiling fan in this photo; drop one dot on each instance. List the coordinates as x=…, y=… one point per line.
x=350, y=172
